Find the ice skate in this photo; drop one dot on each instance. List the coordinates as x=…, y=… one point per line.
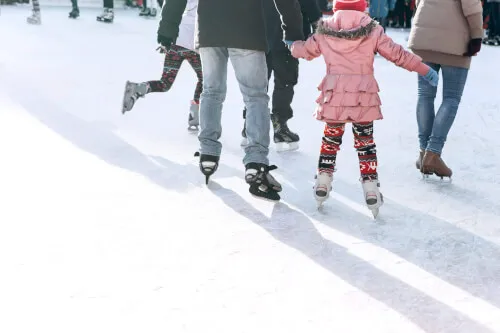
x=133, y=91
x=145, y=12
x=492, y=41
x=208, y=165
x=74, y=13
x=284, y=139
x=194, y=117
x=432, y=163
x=35, y=18
x=323, y=187
x=262, y=183
x=107, y=16
x=373, y=198
x=152, y=12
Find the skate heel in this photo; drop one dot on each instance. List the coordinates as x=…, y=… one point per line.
x=208, y=165
x=286, y=146
x=322, y=187
x=373, y=198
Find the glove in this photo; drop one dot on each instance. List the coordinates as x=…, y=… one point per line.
x=432, y=77
x=288, y=43
x=165, y=43
x=473, y=47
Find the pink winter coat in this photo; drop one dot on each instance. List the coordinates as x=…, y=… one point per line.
x=348, y=42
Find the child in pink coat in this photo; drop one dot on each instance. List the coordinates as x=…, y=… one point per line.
x=348, y=42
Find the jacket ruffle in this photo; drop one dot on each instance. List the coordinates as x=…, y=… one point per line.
x=346, y=98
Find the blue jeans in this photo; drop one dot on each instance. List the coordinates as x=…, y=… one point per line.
x=251, y=72
x=433, y=127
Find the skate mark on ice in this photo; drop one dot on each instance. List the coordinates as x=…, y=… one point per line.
x=296, y=230
x=444, y=250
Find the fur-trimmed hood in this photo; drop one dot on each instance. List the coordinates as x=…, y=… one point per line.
x=347, y=24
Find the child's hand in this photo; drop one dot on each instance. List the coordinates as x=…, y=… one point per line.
x=432, y=77
x=288, y=43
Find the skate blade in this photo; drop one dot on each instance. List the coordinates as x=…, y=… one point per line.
x=375, y=212
x=287, y=146
x=436, y=179
x=193, y=128
x=244, y=142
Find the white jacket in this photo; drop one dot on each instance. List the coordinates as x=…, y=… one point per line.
x=187, y=26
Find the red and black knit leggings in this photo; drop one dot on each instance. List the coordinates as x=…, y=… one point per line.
x=363, y=142
x=173, y=61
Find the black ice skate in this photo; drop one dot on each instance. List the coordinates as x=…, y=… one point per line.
x=133, y=91
x=74, y=13
x=492, y=41
x=284, y=139
x=208, y=165
x=107, y=16
x=262, y=184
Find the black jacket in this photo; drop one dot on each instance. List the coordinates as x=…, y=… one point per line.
x=232, y=23
x=310, y=14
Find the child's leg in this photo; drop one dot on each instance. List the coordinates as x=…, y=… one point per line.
x=366, y=148
x=194, y=60
x=173, y=61
x=330, y=145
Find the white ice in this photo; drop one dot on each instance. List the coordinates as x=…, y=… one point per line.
x=106, y=224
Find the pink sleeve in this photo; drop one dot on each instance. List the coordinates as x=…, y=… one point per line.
x=307, y=50
x=398, y=55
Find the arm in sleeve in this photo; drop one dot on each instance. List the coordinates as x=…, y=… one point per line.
x=476, y=26
x=471, y=7
x=311, y=10
x=396, y=54
x=171, y=16
x=307, y=50
x=291, y=19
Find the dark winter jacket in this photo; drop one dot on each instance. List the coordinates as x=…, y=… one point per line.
x=310, y=14
x=380, y=8
x=232, y=23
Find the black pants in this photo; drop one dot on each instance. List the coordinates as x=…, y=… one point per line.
x=108, y=4
x=494, y=23
x=286, y=73
x=403, y=13
x=74, y=4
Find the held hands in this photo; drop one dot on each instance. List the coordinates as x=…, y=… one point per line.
x=432, y=77
x=473, y=47
x=165, y=43
x=288, y=43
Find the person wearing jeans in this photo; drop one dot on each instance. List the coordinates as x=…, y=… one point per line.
x=443, y=46
x=234, y=30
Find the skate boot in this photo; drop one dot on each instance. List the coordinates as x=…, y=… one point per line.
x=144, y=12
x=107, y=16
x=208, y=165
x=432, y=163
x=152, y=12
x=133, y=91
x=323, y=186
x=285, y=139
x=35, y=18
x=373, y=198
x=74, y=13
x=194, y=116
x=492, y=41
x=262, y=183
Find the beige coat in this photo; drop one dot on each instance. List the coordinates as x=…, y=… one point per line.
x=442, y=30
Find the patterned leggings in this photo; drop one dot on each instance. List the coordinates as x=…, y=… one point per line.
x=363, y=142
x=173, y=61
